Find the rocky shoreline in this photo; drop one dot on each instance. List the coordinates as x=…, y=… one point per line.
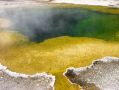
x=103, y=74
x=16, y=81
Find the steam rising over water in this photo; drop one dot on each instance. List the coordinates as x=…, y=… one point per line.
x=42, y=23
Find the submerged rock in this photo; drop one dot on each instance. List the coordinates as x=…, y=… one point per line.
x=103, y=74
x=15, y=81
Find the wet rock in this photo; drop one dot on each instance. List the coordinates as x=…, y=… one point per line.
x=15, y=81
x=103, y=74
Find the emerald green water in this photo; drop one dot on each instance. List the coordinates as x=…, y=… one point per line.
x=41, y=24
x=102, y=26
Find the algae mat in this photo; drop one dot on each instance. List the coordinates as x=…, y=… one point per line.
x=64, y=52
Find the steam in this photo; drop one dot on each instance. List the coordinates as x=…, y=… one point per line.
x=39, y=23
x=25, y=21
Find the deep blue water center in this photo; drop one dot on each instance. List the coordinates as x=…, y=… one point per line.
x=43, y=23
